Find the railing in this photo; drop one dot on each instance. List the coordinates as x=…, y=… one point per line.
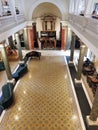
x=92, y=25
x=7, y=22
x=87, y=30
x=85, y=24
x=20, y=18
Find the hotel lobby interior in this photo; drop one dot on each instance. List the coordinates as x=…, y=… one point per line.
x=48, y=65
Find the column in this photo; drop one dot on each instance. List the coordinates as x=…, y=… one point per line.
x=94, y=111
x=31, y=38
x=19, y=46
x=64, y=37
x=72, y=47
x=6, y=62
x=92, y=119
x=80, y=62
x=26, y=42
x=10, y=40
x=69, y=39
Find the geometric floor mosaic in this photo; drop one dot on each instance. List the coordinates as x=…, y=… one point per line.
x=43, y=99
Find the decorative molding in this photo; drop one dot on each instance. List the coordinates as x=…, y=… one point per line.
x=86, y=29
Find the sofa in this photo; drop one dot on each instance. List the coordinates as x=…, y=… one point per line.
x=7, y=97
x=33, y=54
x=25, y=59
x=21, y=70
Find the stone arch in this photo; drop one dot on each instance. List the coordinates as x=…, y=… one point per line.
x=59, y=5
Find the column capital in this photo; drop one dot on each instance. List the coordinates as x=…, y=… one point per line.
x=1, y=45
x=16, y=34
x=83, y=46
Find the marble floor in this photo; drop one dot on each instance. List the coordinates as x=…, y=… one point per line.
x=44, y=97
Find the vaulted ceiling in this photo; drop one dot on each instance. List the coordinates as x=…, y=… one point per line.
x=46, y=9
x=37, y=8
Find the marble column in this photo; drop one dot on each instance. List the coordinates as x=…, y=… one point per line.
x=72, y=47
x=6, y=62
x=10, y=40
x=19, y=46
x=80, y=61
x=94, y=111
x=26, y=42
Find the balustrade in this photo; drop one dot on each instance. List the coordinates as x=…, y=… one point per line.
x=86, y=29
x=6, y=22
x=88, y=25
x=20, y=18
x=8, y=15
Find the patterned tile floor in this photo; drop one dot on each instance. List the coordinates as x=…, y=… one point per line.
x=43, y=99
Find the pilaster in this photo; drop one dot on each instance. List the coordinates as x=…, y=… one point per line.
x=31, y=38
